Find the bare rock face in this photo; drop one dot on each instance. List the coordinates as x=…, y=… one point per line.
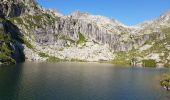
x=105, y=31
x=15, y=8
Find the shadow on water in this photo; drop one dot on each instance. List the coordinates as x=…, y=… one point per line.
x=9, y=81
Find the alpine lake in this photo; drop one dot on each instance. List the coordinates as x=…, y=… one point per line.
x=80, y=81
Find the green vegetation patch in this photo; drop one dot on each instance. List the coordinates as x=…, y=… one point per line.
x=1, y=37
x=165, y=81
x=33, y=21
x=54, y=59
x=5, y=51
x=43, y=54
x=16, y=19
x=49, y=58
x=61, y=49
x=28, y=44
x=77, y=60
x=6, y=59
x=42, y=18
x=63, y=37
x=120, y=62
x=82, y=39
x=5, y=54
x=131, y=54
x=6, y=39
x=167, y=33
x=149, y=63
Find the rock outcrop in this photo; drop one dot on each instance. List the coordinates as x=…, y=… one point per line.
x=15, y=8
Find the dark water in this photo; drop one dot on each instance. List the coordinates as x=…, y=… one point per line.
x=80, y=81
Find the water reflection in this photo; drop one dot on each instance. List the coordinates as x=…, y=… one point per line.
x=9, y=81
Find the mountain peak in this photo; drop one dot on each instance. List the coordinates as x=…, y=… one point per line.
x=165, y=15
x=78, y=13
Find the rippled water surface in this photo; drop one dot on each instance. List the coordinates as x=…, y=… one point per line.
x=80, y=81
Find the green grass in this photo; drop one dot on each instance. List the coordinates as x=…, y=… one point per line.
x=117, y=62
x=28, y=44
x=44, y=55
x=120, y=62
x=49, y=58
x=127, y=55
x=53, y=59
x=149, y=63
x=82, y=39
x=17, y=19
x=124, y=58
x=76, y=60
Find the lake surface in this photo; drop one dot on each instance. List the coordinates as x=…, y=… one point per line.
x=80, y=81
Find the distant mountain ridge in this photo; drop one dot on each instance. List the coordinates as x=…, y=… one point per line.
x=47, y=35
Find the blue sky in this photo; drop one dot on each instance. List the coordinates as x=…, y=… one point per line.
x=129, y=12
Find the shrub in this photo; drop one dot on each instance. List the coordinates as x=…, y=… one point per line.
x=167, y=65
x=5, y=59
x=165, y=81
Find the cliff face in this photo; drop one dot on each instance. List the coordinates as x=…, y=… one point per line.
x=15, y=8
x=11, y=39
x=48, y=35
x=105, y=31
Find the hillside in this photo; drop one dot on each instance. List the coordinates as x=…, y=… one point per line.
x=30, y=32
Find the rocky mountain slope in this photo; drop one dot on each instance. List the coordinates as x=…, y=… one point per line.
x=30, y=32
